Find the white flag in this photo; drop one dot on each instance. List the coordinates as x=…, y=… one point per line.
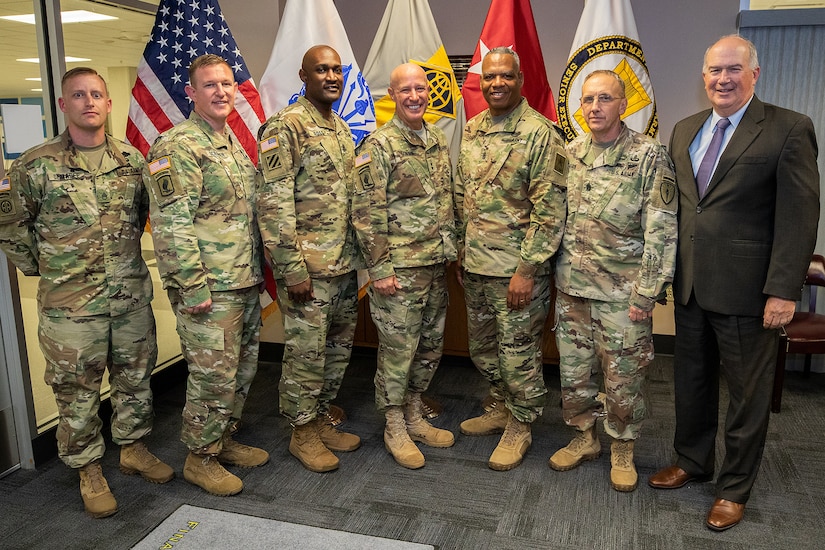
x=607, y=39
x=408, y=34
x=308, y=23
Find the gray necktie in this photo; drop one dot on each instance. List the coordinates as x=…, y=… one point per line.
x=706, y=167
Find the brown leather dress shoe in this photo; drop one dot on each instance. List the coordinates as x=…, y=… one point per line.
x=673, y=477
x=724, y=514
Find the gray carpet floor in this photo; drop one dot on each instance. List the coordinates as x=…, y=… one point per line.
x=455, y=501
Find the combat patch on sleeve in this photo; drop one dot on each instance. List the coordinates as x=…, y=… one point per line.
x=271, y=159
x=167, y=188
x=5, y=185
x=560, y=164
x=363, y=164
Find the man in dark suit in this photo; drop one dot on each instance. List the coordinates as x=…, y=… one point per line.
x=745, y=241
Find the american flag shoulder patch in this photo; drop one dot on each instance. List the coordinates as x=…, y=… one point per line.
x=160, y=164
x=362, y=159
x=268, y=144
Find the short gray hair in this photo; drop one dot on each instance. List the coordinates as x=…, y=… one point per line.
x=753, y=57
x=607, y=72
x=506, y=50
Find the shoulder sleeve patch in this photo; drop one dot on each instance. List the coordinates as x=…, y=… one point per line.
x=9, y=210
x=8, y=207
x=667, y=190
x=560, y=164
x=366, y=175
x=165, y=184
x=272, y=159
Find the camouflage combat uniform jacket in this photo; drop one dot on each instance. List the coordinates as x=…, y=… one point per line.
x=510, y=193
x=203, y=219
x=78, y=228
x=403, y=206
x=304, y=194
x=620, y=240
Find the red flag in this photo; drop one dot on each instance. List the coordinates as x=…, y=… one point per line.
x=510, y=23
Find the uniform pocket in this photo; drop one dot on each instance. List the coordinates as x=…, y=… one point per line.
x=198, y=335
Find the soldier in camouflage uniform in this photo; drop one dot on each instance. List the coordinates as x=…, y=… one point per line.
x=510, y=200
x=617, y=258
x=305, y=183
x=403, y=217
x=210, y=259
x=72, y=211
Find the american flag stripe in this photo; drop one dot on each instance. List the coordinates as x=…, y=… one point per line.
x=183, y=31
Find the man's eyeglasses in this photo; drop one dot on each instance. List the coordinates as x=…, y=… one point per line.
x=601, y=98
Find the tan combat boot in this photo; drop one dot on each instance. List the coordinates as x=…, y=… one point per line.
x=512, y=446
x=98, y=500
x=420, y=430
x=585, y=446
x=241, y=455
x=207, y=473
x=491, y=422
x=135, y=458
x=623, y=476
x=398, y=442
x=307, y=447
x=335, y=440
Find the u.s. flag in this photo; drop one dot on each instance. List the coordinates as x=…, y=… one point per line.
x=183, y=31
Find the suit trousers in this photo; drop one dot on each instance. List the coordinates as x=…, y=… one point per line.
x=740, y=349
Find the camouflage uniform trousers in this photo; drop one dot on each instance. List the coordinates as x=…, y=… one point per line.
x=505, y=344
x=77, y=351
x=221, y=351
x=595, y=336
x=410, y=328
x=318, y=344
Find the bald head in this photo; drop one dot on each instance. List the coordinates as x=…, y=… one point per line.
x=410, y=91
x=324, y=78
x=314, y=53
x=404, y=71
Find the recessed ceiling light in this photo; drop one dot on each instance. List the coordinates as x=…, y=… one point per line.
x=74, y=16
x=69, y=59
x=37, y=89
x=34, y=79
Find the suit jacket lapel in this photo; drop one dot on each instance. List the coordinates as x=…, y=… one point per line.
x=681, y=145
x=749, y=127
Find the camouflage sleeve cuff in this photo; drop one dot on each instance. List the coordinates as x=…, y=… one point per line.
x=196, y=297
x=296, y=278
x=642, y=302
x=381, y=271
x=526, y=270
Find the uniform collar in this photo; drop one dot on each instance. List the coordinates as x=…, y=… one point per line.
x=73, y=156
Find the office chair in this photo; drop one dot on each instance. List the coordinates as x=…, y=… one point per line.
x=804, y=334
